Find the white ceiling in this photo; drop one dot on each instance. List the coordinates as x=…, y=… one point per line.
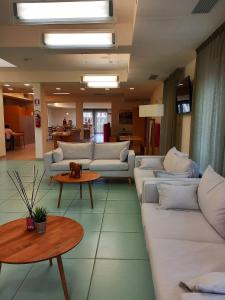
x=163, y=36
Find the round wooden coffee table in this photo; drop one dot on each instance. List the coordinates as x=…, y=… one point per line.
x=86, y=177
x=19, y=246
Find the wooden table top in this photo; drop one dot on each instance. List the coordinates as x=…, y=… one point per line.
x=86, y=176
x=19, y=246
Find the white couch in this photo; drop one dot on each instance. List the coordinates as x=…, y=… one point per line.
x=174, y=161
x=182, y=245
x=103, y=158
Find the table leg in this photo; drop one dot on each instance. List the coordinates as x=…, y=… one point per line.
x=60, y=194
x=90, y=191
x=81, y=192
x=50, y=261
x=62, y=276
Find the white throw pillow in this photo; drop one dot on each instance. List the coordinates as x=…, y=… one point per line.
x=170, y=159
x=57, y=155
x=124, y=154
x=76, y=150
x=165, y=174
x=109, y=150
x=151, y=164
x=173, y=196
x=176, y=163
x=211, y=198
x=213, y=282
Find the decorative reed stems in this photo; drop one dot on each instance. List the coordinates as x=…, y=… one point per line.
x=17, y=181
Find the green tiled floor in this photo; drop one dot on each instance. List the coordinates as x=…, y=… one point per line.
x=111, y=261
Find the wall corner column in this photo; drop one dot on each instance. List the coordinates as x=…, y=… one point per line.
x=2, y=125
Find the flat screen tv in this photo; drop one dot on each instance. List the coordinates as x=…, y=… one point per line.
x=184, y=96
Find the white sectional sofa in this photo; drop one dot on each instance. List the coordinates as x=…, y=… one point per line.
x=185, y=244
x=173, y=164
x=109, y=159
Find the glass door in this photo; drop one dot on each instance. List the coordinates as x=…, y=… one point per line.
x=101, y=118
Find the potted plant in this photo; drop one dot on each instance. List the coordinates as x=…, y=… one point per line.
x=29, y=200
x=40, y=219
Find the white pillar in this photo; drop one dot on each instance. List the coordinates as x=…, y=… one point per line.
x=2, y=125
x=38, y=132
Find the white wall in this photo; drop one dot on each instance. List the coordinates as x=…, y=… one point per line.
x=56, y=115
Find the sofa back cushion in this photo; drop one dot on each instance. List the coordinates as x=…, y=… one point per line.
x=109, y=150
x=211, y=199
x=76, y=150
x=176, y=161
x=57, y=154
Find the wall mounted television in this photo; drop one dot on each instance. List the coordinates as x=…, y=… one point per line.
x=184, y=96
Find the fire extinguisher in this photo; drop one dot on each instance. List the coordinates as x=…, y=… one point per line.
x=37, y=118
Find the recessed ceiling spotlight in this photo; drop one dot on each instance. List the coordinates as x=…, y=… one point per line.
x=26, y=84
x=58, y=89
x=131, y=88
x=30, y=93
x=82, y=89
x=10, y=89
x=61, y=93
x=6, y=84
x=107, y=89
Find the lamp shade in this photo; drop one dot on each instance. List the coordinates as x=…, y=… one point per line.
x=151, y=110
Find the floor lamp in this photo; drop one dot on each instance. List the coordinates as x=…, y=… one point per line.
x=151, y=112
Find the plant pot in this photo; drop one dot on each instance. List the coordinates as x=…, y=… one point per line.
x=30, y=224
x=40, y=227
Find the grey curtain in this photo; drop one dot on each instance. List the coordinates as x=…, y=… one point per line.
x=208, y=125
x=170, y=124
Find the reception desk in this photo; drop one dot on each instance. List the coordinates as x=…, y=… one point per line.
x=66, y=136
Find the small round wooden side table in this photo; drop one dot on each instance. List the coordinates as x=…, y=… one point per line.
x=19, y=246
x=86, y=177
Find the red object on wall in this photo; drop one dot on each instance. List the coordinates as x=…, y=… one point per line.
x=157, y=135
x=106, y=132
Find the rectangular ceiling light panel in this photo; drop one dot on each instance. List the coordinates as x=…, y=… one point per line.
x=100, y=78
x=62, y=11
x=79, y=40
x=103, y=84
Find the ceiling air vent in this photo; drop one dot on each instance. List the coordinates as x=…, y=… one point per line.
x=204, y=6
x=153, y=77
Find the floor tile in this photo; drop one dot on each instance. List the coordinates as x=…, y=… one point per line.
x=121, y=280
x=85, y=206
x=122, y=223
x=90, y=222
x=122, y=207
x=120, y=245
x=97, y=195
x=13, y=206
x=51, y=205
x=122, y=195
x=7, y=217
x=86, y=248
x=12, y=277
x=43, y=282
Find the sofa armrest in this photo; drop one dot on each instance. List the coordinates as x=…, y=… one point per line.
x=131, y=162
x=150, y=191
x=48, y=160
x=156, y=160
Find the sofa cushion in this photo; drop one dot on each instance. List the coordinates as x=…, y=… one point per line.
x=124, y=154
x=211, y=197
x=109, y=150
x=179, y=225
x=166, y=174
x=176, y=260
x=108, y=165
x=178, y=196
x=76, y=150
x=176, y=161
x=150, y=164
x=64, y=164
x=57, y=154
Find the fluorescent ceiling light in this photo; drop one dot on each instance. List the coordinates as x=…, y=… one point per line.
x=103, y=84
x=6, y=84
x=100, y=78
x=79, y=40
x=26, y=84
x=5, y=64
x=61, y=93
x=60, y=11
